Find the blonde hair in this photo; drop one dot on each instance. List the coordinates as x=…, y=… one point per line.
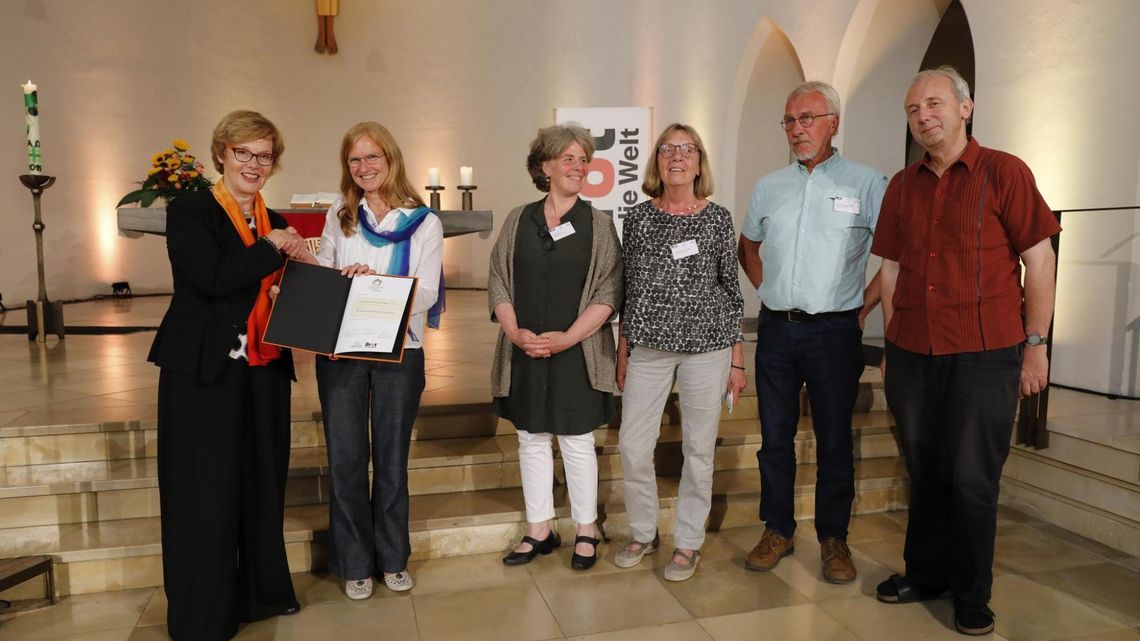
x=396, y=190
x=702, y=186
x=550, y=143
x=242, y=126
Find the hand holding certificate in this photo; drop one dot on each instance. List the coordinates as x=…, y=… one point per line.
x=319, y=310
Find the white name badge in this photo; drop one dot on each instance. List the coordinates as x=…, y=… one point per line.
x=685, y=249
x=562, y=231
x=845, y=205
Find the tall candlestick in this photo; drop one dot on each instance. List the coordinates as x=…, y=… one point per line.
x=466, y=176
x=32, y=117
x=433, y=176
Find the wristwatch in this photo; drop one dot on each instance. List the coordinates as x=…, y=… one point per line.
x=1033, y=340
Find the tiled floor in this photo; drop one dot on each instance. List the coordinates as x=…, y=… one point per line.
x=1049, y=583
x=1061, y=589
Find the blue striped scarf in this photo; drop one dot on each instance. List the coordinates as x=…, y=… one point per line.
x=401, y=250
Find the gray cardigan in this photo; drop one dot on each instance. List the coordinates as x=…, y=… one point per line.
x=603, y=285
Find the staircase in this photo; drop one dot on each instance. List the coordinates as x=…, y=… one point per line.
x=87, y=494
x=1088, y=479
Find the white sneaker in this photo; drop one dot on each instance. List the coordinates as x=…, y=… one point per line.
x=358, y=589
x=399, y=582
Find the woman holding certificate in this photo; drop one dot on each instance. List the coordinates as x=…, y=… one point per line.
x=379, y=225
x=555, y=280
x=223, y=395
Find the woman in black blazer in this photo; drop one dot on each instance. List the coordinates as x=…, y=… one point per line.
x=223, y=395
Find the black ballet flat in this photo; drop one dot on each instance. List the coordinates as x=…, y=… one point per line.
x=579, y=562
x=545, y=546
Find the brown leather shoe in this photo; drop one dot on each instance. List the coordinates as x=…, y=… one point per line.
x=768, y=552
x=837, y=564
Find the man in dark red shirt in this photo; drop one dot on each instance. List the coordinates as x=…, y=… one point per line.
x=964, y=338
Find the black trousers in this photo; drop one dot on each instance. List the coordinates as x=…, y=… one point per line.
x=955, y=418
x=223, y=455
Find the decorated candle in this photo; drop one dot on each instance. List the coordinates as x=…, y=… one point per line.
x=32, y=116
x=433, y=176
x=466, y=176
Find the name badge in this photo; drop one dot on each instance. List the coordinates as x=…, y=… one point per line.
x=845, y=205
x=562, y=231
x=685, y=249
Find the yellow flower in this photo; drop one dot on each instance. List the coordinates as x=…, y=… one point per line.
x=173, y=178
x=188, y=159
x=168, y=152
x=152, y=171
x=156, y=159
x=192, y=174
x=173, y=163
x=180, y=144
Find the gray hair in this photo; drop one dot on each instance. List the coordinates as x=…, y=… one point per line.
x=961, y=87
x=550, y=143
x=822, y=88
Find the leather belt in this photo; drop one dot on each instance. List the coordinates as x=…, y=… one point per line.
x=800, y=316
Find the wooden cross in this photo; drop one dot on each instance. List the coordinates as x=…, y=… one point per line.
x=326, y=39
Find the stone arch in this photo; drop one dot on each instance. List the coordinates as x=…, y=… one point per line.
x=754, y=143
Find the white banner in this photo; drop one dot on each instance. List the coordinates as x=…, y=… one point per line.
x=622, y=137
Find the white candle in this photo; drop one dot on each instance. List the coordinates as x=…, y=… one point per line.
x=32, y=118
x=466, y=176
x=433, y=176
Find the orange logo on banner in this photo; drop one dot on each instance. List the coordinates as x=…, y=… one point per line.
x=599, y=189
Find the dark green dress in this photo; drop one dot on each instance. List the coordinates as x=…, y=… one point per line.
x=552, y=395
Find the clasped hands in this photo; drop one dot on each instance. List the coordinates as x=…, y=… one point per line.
x=289, y=242
x=542, y=345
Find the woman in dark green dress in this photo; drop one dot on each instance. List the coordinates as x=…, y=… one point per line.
x=555, y=281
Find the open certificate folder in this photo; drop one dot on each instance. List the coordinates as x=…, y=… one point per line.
x=318, y=310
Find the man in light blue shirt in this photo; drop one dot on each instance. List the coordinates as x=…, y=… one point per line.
x=815, y=219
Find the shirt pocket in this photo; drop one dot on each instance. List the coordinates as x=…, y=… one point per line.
x=836, y=209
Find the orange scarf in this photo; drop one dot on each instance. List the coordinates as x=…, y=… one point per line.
x=257, y=352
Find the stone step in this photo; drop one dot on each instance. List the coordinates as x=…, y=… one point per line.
x=1074, y=495
x=457, y=416
x=124, y=554
x=85, y=492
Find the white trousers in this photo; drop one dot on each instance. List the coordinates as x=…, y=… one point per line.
x=701, y=382
x=536, y=463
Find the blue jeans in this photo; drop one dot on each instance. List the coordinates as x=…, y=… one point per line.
x=368, y=535
x=827, y=355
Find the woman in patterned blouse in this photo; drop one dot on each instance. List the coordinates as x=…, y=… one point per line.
x=682, y=317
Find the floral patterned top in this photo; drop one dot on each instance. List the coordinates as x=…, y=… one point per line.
x=678, y=299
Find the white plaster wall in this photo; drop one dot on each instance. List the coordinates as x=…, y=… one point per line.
x=1056, y=86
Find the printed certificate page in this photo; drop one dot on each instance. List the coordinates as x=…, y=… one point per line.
x=373, y=313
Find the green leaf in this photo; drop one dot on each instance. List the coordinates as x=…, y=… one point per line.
x=132, y=197
x=148, y=197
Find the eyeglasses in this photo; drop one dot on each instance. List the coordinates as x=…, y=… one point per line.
x=371, y=160
x=687, y=149
x=245, y=155
x=805, y=120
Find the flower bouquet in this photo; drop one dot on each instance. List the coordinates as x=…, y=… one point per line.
x=172, y=172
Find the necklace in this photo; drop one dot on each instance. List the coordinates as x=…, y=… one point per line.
x=681, y=211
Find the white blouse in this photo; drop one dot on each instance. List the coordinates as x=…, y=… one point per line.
x=425, y=258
